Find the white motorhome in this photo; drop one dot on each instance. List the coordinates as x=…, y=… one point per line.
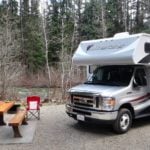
x=118, y=90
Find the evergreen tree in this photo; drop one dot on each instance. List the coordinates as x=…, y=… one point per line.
x=54, y=33
x=89, y=24
x=33, y=52
x=139, y=17
x=9, y=45
x=114, y=17
x=67, y=25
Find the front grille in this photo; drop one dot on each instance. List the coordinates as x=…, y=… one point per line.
x=83, y=104
x=85, y=101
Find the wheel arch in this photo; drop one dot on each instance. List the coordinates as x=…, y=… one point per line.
x=128, y=106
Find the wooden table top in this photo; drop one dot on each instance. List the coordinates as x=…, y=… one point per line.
x=5, y=106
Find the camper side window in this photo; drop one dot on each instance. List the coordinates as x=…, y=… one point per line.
x=140, y=78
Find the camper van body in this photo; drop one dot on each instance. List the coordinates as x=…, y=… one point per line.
x=118, y=90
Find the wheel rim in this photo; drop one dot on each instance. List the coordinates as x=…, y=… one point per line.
x=124, y=121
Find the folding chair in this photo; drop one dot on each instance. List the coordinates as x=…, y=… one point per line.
x=33, y=107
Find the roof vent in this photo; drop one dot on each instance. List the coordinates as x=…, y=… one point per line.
x=121, y=35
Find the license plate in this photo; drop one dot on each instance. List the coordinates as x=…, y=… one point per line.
x=80, y=117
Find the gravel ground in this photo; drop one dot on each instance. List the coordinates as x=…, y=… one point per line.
x=56, y=131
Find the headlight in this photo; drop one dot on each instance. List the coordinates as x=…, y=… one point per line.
x=108, y=103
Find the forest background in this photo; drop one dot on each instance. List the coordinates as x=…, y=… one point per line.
x=37, y=43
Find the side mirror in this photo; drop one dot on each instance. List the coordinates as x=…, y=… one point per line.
x=136, y=84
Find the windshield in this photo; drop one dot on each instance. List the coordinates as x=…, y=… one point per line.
x=111, y=75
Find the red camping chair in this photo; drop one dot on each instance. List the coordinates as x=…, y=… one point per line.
x=33, y=107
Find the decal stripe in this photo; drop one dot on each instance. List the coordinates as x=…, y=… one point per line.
x=142, y=98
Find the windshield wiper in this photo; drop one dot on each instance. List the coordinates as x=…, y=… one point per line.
x=112, y=83
x=116, y=83
x=88, y=82
x=96, y=83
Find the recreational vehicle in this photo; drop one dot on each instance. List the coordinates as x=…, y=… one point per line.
x=118, y=89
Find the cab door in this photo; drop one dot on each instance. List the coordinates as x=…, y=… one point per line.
x=140, y=89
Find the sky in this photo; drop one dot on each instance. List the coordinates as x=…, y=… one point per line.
x=42, y=4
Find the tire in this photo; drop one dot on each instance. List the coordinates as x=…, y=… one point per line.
x=123, y=122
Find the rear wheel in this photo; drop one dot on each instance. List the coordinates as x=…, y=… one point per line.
x=123, y=121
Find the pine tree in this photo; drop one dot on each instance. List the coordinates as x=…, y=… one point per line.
x=33, y=53
x=9, y=46
x=54, y=34
x=114, y=17
x=91, y=20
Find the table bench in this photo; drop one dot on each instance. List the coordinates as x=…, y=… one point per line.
x=4, y=107
x=16, y=121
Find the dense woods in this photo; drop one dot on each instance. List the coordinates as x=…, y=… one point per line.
x=37, y=39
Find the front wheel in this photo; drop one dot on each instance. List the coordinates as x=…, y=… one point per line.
x=123, y=121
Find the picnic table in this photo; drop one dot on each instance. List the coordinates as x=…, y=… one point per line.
x=18, y=119
x=4, y=107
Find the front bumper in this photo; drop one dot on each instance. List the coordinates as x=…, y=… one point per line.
x=89, y=114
